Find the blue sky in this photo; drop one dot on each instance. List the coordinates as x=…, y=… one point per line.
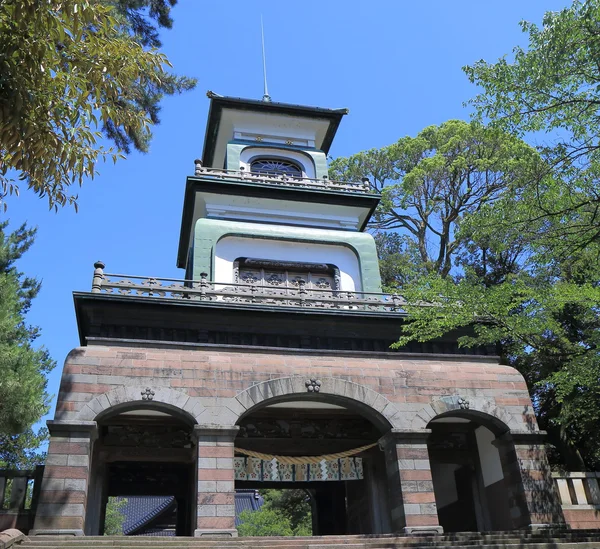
x=395, y=64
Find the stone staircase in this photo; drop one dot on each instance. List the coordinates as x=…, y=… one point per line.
x=558, y=539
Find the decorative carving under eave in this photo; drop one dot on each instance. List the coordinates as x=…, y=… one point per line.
x=313, y=385
x=308, y=428
x=463, y=403
x=147, y=394
x=146, y=436
x=291, y=265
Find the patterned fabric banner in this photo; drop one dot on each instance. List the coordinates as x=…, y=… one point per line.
x=249, y=468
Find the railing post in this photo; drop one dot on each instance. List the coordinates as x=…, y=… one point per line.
x=350, y=297
x=395, y=300
x=593, y=489
x=302, y=286
x=18, y=492
x=203, y=285
x=151, y=283
x=2, y=488
x=366, y=183
x=253, y=290
x=98, y=277
x=197, y=166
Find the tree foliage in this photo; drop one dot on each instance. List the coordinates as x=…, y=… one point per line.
x=23, y=367
x=552, y=87
x=70, y=69
x=114, y=517
x=284, y=513
x=23, y=450
x=430, y=182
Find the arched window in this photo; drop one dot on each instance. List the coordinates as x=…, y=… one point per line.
x=275, y=166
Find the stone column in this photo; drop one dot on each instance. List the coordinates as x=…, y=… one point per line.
x=63, y=494
x=533, y=497
x=216, y=485
x=410, y=486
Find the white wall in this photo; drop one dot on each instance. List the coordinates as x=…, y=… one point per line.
x=491, y=466
x=230, y=248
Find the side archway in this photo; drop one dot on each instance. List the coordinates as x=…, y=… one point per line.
x=470, y=473
x=122, y=398
x=145, y=448
x=498, y=419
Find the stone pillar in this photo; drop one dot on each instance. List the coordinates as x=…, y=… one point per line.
x=533, y=497
x=63, y=494
x=216, y=485
x=411, y=496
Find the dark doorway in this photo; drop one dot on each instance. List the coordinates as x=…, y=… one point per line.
x=468, y=476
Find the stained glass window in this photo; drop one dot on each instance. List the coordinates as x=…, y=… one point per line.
x=275, y=166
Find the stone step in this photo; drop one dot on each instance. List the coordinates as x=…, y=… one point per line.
x=276, y=540
x=273, y=542
x=500, y=544
x=495, y=540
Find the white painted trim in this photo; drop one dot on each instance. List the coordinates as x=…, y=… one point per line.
x=230, y=211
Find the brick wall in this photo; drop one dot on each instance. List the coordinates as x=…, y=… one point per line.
x=411, y=383
x=213, y=387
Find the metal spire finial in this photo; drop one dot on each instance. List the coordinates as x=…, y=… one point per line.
x=266, y=96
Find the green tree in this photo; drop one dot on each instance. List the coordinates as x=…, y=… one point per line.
x=293, y=504
x=284, y=513
x=552, y=87
x=264, y=522
x=143, y=19
x=23, y=367
x=114, y=517
x=22, y=451
x=399, y=260
x=430, y=182
x=69, y=70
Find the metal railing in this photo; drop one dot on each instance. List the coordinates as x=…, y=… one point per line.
x=578, y=490
x=252, y=294
x=283, y=180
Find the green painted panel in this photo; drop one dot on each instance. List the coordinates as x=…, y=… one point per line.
x=208, y=232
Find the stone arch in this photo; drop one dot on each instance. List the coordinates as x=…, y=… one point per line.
x=374, y=405
x=123, y=398
x=499, y=420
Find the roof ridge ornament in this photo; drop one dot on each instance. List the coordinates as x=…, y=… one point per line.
x=266, y=96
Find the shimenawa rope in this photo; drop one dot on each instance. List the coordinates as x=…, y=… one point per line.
x=303, y=460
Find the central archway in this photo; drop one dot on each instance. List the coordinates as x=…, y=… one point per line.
x=348, y=495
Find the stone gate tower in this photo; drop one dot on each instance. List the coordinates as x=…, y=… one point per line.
x=277, y=344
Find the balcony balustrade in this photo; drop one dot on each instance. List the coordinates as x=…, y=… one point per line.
x=204, y=290
x=281, y=180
